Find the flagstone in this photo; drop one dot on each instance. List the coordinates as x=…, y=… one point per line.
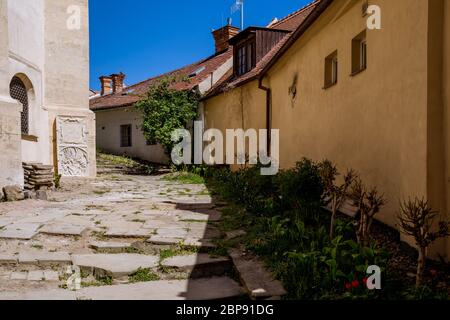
x=63, y=229
x=191, y=289
x=158, y=240
x=44, y=258
x=189, y=262
x=116, y=264
x=6, y=258
x=22, y=231
x=35, y=276
x=19, y=276
x=172, y=232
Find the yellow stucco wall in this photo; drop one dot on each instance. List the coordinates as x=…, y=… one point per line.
x=240, y=108
x=385, y=122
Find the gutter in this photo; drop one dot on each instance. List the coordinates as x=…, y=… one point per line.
x=268, y=112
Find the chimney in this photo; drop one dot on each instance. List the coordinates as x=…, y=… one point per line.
x=222, y=35
x=106, y=83
x=117, y=82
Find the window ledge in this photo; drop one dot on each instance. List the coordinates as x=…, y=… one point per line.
x=355, y=73
x=30, y=138
x=327, y=86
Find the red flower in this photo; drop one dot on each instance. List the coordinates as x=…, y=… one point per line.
x=365, y=281
x=433, y=272
x=348, y=286
x=355, y=283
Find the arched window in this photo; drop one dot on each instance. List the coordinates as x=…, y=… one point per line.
x=18, y=91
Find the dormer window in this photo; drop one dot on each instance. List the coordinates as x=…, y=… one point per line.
x=246, y=57
x=252, y=45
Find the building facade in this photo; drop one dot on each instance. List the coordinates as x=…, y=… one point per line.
x=376, y=101
x=44, y=93
x=119, y=123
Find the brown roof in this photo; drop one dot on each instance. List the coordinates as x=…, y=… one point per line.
x=132, y=94
x=293, y=22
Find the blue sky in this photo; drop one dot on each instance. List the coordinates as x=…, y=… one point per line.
x=144, y=38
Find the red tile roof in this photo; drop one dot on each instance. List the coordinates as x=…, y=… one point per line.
x=292, y=23
x=132, y=94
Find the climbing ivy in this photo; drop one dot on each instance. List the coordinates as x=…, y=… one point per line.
x=166, y=109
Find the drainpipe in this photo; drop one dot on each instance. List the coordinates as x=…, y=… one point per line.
x=268, y=113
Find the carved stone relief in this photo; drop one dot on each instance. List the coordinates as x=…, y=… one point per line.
x=73, y=160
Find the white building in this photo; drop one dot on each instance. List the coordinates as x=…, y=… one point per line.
x=44, y=93
x=119, y=123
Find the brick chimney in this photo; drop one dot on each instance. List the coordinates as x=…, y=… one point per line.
x=117, y=81
x=222, y=35
x=106, y=83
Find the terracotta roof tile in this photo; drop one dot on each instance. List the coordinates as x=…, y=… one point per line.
x=132, y=94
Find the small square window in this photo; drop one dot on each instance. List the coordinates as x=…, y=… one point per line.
x=359, y=53
x=331, y=69
x=125, y=136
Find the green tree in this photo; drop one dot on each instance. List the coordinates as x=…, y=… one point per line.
x=165, y=110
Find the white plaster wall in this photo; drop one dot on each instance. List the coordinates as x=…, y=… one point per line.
x=66, y=77
x=26, y=30
x=11, y=172
x=26, y=60
x=108, y=124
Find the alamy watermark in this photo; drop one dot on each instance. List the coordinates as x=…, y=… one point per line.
x=208, y=147
x=73, y=21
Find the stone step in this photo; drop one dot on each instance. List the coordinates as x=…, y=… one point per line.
x=115, y=265
x=36, y=258
x=44, y=258
x=187, y=242
x=257, y=280
x=199, y=265
x=36, y=275
x=218, y=288
x=110, y=247
x=191, y=205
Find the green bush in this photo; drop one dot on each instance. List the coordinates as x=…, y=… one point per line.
x=290, y=230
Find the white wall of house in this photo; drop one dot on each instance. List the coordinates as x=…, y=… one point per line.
x=108, y=124
x=11, y=172
x=26, y=61
x=52, y=61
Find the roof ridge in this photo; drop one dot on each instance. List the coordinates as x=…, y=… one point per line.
x=168, y=73
x=295, y=13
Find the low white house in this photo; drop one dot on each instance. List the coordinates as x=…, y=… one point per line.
x=118, y=122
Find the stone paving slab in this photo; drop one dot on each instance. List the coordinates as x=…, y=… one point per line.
x=50, y=275
x=111, y=246
x=128, y=233
x=200, y=289
x=19, y=276
x=258, y=281
x=158, y=240
x=200, y=243
x=218, y=288
x=189, y=262
x=44, y=258
x=172, y=233
x=63, y=229
x=21, y=231
x=38, y=295
x=191, y=204
x=36, y=276
x=4, y=221
x=207, y=233
x=8, y=258
x=43, y=217
x=117, y=265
